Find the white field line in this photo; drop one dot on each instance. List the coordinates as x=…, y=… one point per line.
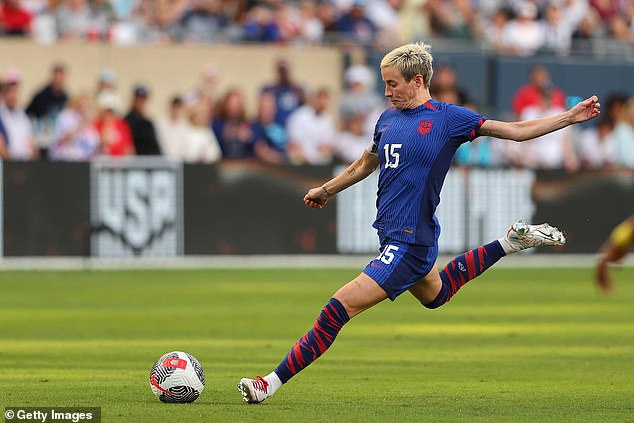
x=273, y=261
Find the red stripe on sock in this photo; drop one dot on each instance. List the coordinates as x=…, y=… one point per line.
x=454, y=285
x=471, y=267
x=289, y=359
x=331, y=319
x=321, y=345
x=321, y=332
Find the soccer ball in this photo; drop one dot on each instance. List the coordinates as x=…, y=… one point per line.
x=177, y=377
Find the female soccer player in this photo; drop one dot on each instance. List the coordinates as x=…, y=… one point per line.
x=413, y=144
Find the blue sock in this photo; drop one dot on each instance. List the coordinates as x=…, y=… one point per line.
x=463, y=268
x=315, y=342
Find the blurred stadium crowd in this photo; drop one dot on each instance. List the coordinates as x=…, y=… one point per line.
x=520, y=27
x=292, y=125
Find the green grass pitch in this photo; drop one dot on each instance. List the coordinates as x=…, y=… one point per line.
x=514, y=345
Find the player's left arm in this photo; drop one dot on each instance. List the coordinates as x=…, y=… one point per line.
x=529, y=129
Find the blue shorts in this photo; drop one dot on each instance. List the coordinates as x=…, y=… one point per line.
x=401, y=265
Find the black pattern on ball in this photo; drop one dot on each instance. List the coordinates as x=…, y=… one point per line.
x=162, y=372
x=197, y=368
x=180, y=394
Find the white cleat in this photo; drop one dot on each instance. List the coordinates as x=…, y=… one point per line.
x=254, y=391
x=522, y=235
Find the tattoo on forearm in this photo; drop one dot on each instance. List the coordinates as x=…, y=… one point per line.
x=352, y=171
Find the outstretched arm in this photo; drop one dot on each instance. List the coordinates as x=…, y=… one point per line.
x=357, y=171
x=529, y=129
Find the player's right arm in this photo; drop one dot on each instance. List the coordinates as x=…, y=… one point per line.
x=357, y=171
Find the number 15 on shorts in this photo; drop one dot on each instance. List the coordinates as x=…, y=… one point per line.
x=387, y=255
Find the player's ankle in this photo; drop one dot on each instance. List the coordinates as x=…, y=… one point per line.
x=274, y=383
x=507, y=246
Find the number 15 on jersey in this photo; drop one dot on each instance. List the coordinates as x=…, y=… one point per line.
x=392, y=155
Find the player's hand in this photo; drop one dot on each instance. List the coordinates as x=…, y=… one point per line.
x=316, y=198
x=585, y=110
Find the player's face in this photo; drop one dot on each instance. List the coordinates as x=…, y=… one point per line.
x=401, y=93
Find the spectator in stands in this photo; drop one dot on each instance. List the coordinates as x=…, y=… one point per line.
x=203, y=21
x=627, y=12
x=354, y=27
x=114, y=133
x=288, y=95
x=531, y=94
x=413, y=21
x=142, y=128
x=621, y=30
x=614, y=106
x=45, y=105
x=106, y=81
x=385, y=16
x=288, y=22
x=76, y=138
x=124, y=9
x=206, y=88
x=494, y=31
x=605, y=9
x=260, y=25
x=15, y=20
x=104, y=8
x=43, y=28
x=162, y=22
x=270, y=136
x=444, y=87
x=586, y=32
x=573, y=11
x=17, y=126
x=173, y=129
x=557, y=31
x=311, y=28
x=353, y=140
x=201, y=145
x=597, y=148
x=311, y=131
x=232, y=129
x=551, y=151
x=76, y=21
x=52, y=98
x=359, y=97
x=524, y=35
x=624, y=135
x=327, y=13
x=451, y=19
x=127, y=22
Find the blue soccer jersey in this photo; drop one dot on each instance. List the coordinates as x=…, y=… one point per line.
x=415, y=149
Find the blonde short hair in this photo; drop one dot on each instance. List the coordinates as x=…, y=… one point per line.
x=410, y=60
